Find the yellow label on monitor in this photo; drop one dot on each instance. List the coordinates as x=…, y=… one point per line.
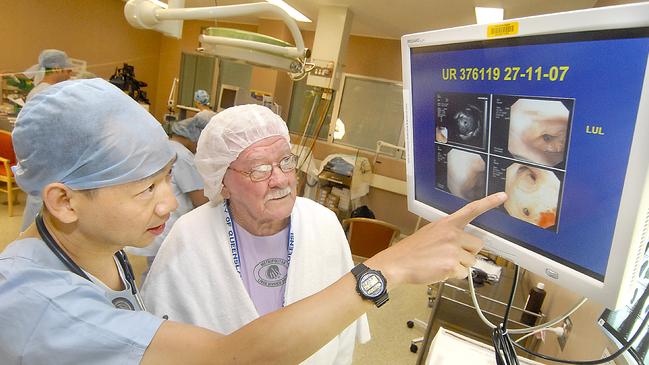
x=503, y=29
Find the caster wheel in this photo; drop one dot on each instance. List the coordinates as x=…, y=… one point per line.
x=413, y=348
x=410, y=324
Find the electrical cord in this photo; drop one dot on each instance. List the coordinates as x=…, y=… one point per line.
x=505, y=341
x=519, y=330
x=511, y=298
x=503, y=348
x=592, y=362
x=559, y=331
x=318, y=127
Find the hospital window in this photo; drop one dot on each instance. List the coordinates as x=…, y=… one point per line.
x=300, y=114
x=196, y=72
x=371, y=110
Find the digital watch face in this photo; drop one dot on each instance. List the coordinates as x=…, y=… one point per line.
x=547, y=119
x=371, y=285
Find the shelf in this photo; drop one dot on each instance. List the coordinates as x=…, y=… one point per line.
x=336, y=178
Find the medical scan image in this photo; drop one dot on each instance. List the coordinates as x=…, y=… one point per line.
x=464, y=118
x=468, y=122
x=466, y=174
x=533, y=194
x=538, y=131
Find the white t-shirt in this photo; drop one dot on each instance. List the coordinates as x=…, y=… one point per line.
x=264, y=267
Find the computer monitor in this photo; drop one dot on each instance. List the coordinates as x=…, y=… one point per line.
x=554, y=110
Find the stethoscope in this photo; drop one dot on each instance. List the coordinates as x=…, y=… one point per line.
x=73, y=267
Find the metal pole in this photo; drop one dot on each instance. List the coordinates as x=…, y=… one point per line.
x=423, y=353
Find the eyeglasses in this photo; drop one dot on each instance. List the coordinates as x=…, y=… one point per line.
x=263, y=172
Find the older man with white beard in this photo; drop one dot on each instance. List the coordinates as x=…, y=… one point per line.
x=227, y=263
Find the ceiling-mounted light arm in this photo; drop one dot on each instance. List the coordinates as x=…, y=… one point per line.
x=228, y=11
x=292, y=52
x=153, y=14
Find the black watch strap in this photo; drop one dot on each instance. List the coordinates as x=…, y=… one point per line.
x=359, y=269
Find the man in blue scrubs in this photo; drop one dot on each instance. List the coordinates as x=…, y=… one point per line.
x=102, y=168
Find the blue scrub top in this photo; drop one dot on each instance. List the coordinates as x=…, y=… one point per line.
x=49, y=315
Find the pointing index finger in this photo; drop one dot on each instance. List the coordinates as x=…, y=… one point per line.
x=469, y=212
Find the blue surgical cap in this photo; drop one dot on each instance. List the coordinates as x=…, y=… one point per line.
x=191, y=128
x=86, y=134
x=202, y=97
x=53, y=58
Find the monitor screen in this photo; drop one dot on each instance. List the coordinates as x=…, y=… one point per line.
x=553, y=113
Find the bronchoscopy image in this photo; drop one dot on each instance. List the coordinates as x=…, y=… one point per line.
x=465, y=174
x=533, y=194
x=538, y=130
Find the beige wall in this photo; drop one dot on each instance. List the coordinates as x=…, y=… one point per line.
x=601, y=3
x=94, y=31
x=374, y=57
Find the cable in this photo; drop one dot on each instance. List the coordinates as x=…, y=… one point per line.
x=511, y=297
x=546, y=325
x=504, y=350
x=559, y=331
x=519, y=330
x=592, y=362
x=302, y=143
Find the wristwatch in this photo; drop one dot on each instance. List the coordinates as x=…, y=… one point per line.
x=371, y=284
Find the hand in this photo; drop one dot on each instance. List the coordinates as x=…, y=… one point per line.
x=439, y=250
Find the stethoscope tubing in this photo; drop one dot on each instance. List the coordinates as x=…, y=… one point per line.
x=73, y=267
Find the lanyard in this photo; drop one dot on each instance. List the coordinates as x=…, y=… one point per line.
x=234, y=244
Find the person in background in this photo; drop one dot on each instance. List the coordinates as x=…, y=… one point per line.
x=185, y=180
x=284, y=249
x=53, y=67
x=67, y=294
x=201, y=99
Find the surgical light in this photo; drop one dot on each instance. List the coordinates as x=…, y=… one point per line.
x=253, y=48
x=488, y=15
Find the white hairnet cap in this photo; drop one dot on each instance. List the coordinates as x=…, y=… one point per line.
x=227, y=134
x=86, y=134
x=53, y=58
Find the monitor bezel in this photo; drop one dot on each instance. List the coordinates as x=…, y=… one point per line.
x=628, y=242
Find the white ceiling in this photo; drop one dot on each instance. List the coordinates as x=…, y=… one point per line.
x=394, y=18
